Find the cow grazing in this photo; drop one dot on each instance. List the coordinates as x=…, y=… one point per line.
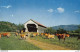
x=62, y=36
x=42, y=34
x=34, y=34
x=51, y=36
x=6, y=34
x=46, y=34
x=23, y=36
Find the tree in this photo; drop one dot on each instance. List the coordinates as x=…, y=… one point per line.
x=78, y=30
x=79, y=26
x=61, y=31
x=50, y=30
x=7, y=26
x=20, y=27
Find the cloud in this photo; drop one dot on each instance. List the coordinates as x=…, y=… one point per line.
x=8, y=6
x=60, y=10
x=77, y=11
x=50, y=10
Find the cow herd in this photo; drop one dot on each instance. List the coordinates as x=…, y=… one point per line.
x=23, y=35
x=50, y=36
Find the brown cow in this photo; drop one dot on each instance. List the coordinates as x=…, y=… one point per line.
x=62, y=36
x=6, y=34
x=23, y=36
x=42, y=34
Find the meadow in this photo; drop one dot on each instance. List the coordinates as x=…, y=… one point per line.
x=70, y=42
x=15, y=43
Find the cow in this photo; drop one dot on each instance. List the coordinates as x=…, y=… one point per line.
x=42, y=34
x=46, y=34
x=34, y=34
x=6, y=34
x=51, y=36
x=23, y=36
x=62, y=36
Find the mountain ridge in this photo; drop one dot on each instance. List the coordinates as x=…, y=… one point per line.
x=66, y=27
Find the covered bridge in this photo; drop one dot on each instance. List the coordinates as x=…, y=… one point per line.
x=33, y=26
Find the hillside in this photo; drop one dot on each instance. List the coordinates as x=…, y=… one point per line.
x=7, y=26
x=10, y=27
x=66, y=27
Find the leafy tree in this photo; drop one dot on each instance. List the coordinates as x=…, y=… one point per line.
x=50, y=30
x=78, y=26
x=20, y=26
x=7, y=27
x=78, y=30
x=10, y=27
x=61, y=31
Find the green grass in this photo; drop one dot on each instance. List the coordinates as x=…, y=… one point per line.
x=71, y=42
x=13, y=43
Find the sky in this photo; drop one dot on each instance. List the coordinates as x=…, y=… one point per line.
x=47, y=12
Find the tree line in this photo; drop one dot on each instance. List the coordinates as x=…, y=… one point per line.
x=10, y=27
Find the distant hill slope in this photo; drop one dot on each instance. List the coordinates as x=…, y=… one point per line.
x=66, y=27
x=7, y=26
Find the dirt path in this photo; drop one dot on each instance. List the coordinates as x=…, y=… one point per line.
x=46, y=46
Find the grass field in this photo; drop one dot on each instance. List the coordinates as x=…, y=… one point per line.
x=70, y=42
x=13, y=43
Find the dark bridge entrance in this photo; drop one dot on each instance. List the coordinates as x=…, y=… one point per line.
x=31, y=27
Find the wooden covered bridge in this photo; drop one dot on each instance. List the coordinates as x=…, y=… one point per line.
x=33, y=26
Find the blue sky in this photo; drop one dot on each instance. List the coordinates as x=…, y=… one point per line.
x=46, y=12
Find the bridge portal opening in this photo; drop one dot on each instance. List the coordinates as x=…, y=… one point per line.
x=31, y=27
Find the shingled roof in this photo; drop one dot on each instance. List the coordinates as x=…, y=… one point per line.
x=38, y=23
